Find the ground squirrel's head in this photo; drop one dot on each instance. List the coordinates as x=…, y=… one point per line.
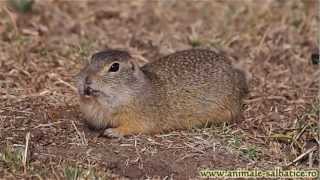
x=109, y=73
x=111, y=79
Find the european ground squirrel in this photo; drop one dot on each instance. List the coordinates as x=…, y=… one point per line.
x=186, y=89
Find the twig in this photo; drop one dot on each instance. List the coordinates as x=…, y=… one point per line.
x=139, y=158
x=263, y=39
x=311, y=159
x=55, y=76
x=194, y=148
x=82, y=138
x=47, y=125
x=24, y=159
x=301, y=132
x=266, y=98
x=187, y=156
x=12, y=19
x=303, y=155
x=41, y=94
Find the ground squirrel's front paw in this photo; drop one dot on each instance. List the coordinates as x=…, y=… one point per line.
x=112, y=133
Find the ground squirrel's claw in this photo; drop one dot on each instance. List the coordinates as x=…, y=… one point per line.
x=111, y=133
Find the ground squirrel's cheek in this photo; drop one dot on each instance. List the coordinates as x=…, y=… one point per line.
x=95, y=115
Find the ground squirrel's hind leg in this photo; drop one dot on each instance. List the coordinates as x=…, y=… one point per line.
x=228, y=111
x=225, y=115
x=120, y=132
x=113, y=133
x=126, y=128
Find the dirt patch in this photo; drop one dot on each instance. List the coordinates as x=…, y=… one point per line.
x=58, y=134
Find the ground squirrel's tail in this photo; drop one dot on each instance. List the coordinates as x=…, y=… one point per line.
x=242, y=81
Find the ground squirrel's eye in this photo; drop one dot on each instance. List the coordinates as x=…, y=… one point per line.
x=114, y=67
x=315, y=58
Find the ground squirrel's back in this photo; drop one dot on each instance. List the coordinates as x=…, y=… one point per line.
x=200, y=87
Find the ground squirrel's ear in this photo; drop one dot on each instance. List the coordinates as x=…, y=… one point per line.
x=135, y=69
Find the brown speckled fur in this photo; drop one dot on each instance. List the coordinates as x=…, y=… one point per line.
x=186, y=89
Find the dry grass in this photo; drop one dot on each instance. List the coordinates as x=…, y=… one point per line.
x=41, y=51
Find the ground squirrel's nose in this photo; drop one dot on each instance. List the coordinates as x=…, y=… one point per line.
x=88, y=81
x=87, y=89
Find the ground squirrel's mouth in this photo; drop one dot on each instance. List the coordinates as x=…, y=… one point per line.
x=88, y=91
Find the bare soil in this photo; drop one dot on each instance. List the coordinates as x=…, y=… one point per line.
x=43, y=49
